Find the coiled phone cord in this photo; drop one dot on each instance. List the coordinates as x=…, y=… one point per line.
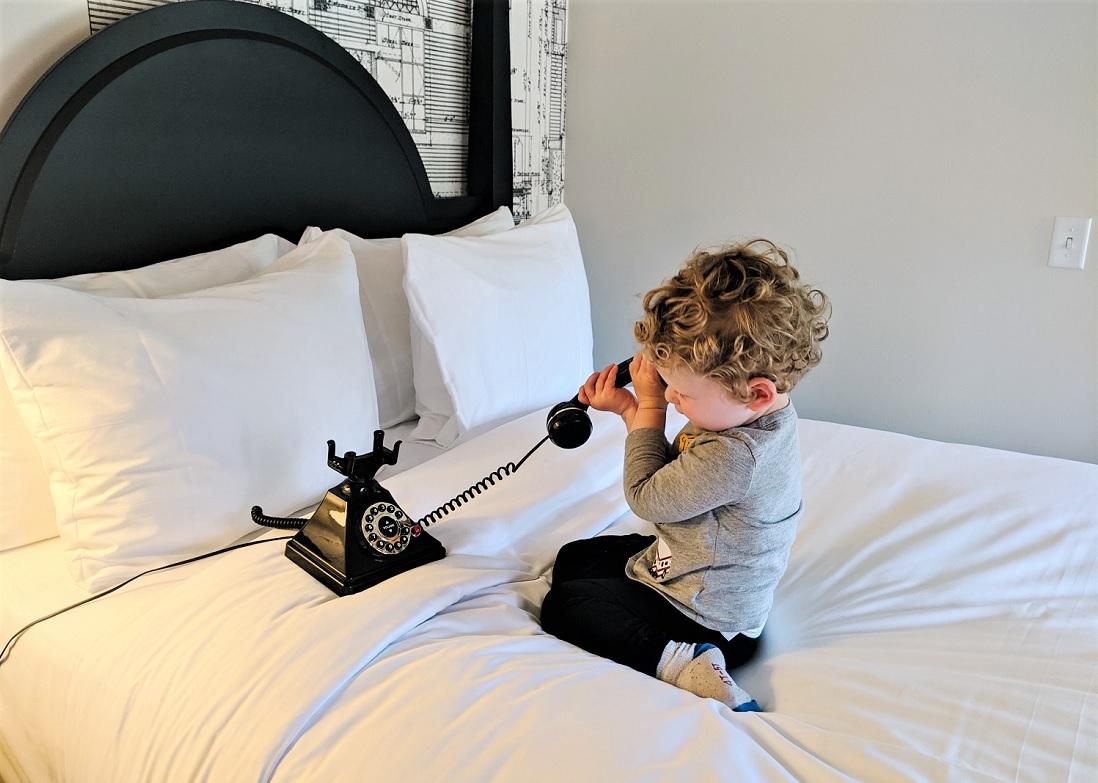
x=488, y=481
x=279, y=523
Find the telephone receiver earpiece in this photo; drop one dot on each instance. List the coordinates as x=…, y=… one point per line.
x=569, y=424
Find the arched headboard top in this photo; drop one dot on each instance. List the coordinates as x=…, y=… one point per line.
x=198, y=124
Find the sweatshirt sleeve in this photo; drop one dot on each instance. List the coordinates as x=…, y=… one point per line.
x=663, y=487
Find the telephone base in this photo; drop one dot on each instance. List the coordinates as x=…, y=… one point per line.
x=368, y=571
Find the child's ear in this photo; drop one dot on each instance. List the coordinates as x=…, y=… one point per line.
x=763, y=393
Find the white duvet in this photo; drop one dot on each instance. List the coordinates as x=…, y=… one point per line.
x=937, y=622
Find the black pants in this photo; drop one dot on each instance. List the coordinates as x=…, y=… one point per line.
x=595, y=606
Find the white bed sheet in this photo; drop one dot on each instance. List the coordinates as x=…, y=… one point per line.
x=937, y=623
x=34, y=582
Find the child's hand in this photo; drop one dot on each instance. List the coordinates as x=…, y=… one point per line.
x=601, y=394
x=647, y=383
x=651, y=408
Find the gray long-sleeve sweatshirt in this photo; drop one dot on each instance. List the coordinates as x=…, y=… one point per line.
x=726, y=506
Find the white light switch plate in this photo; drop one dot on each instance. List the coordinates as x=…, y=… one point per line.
x=1069, y=242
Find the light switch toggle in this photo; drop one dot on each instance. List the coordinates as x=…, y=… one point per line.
x=1068, y=249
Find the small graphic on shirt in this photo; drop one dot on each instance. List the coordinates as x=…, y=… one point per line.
x=684, y=441
x=662, y=565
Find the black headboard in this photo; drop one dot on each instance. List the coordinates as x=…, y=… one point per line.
x=198, y=124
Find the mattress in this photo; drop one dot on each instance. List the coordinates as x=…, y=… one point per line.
x=936, y=622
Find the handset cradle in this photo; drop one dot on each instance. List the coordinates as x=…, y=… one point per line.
x=360, y=536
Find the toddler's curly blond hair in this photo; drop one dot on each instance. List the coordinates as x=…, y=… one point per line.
x=733, y=314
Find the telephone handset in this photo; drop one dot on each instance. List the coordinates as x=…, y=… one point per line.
x=569, y=424
x=360, y=536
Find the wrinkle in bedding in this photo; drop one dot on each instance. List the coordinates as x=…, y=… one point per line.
x=207, y=672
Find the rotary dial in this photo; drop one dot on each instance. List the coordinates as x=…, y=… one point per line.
x=386, y=528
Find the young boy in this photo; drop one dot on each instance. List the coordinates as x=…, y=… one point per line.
x=724, y=341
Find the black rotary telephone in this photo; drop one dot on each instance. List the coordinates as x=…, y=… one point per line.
x=360, y=536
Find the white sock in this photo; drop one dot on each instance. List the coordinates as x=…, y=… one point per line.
x=700, y=669
x=676, y=656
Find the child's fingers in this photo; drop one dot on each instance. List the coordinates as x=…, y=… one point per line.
x=589, y=389
x=607, y=377
x=648, y=370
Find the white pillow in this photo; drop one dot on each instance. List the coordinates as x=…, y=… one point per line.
x=162, y=421
x=504, y=321
x=26, y=508
x=385, y=310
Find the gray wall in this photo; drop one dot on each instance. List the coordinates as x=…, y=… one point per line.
x=33, y=35
x=912, y=155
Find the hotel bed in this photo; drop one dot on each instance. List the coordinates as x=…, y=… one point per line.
x=938, y=620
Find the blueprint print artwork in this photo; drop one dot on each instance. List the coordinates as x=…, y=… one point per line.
x=539, y=48
x=418, y=51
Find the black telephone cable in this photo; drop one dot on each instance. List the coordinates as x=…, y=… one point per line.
x=11, y=642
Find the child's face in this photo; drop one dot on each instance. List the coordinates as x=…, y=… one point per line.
x=704, y=401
